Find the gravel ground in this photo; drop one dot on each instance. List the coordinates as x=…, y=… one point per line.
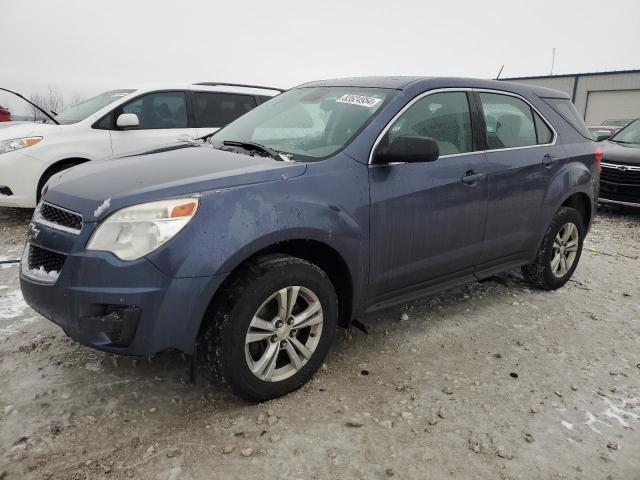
x=493, y=380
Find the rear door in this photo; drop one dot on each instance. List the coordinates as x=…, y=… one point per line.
x=214, y=110
x=163, y=116
x=522, y=153
x=428, y=219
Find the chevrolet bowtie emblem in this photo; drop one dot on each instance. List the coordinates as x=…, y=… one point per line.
x=622, y=168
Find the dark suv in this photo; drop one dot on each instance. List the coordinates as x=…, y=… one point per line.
x=333, y=199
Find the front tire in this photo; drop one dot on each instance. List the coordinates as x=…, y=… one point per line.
x=559, y=253
x=271, y=328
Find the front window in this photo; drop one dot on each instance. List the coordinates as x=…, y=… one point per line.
x=308, y=123
x=159, y=110
x=89, y=107
x=629, y=134
x=443, y=117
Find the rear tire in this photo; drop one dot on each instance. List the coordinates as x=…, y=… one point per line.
x=559, y=253
x=247, y=345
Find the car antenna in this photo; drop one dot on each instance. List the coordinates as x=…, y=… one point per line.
x=498, y=76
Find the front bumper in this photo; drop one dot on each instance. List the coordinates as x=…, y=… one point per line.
x=20, y=174
x=619, y=193
x=129, y=308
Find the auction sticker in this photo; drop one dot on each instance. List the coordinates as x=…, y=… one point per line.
x=361, y=100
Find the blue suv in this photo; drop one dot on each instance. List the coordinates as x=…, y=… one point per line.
x=328, y=201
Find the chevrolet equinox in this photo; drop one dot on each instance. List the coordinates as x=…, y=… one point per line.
x=333, y=199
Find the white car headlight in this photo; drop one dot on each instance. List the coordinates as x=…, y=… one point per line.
x=17, y=143
x=134, y=232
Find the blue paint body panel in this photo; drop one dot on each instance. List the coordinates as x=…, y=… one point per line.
x=402, y=230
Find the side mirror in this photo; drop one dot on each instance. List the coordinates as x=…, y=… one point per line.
x=128, y=120
x=408, y=149
x=602, y=136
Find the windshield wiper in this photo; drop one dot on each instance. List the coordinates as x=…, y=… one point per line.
x=255, y=147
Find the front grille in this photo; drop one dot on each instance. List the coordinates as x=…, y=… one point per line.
x=614, y=175
x=61, y=217
x=45, y=260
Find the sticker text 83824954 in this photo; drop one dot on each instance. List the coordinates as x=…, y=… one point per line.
x=361, y=100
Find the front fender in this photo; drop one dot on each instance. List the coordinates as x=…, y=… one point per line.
x=328, y=204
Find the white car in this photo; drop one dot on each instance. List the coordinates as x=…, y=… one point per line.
x=112, y=124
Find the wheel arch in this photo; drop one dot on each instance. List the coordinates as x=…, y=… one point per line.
x=581, y=202
x=313, y=251
x=56, y=167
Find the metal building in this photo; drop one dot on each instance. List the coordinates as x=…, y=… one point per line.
x=598, y=96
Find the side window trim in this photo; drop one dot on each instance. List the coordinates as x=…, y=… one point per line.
x=477, y=106
x=534, y=111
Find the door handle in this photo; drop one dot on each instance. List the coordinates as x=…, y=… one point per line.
x=549, y=160
x=471, y=177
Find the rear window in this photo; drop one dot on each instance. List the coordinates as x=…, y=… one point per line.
x=565, y=108
x=220, y=109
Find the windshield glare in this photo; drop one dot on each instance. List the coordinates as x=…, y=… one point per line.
x=307, y=123
x=89, y=107
x=629, y=134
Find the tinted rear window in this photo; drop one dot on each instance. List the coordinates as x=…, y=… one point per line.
x=220, y=109
x=566, y=109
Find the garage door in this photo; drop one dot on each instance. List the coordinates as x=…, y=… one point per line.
x=604, y=105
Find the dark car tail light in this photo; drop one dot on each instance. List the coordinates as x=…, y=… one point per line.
x=598, y=155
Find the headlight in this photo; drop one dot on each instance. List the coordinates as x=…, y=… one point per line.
x=134, y=232
x=18, y=143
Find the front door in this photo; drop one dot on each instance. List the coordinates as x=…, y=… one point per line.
x=428, y=219
x=163, y=119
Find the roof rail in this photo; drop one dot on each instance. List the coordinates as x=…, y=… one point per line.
x=222, y=84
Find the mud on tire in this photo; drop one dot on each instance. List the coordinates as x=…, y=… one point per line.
x=227, y=323
x=540, y=273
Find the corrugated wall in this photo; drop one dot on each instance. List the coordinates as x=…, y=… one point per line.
x=585, y=84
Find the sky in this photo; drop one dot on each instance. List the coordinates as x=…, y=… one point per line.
x=83, y=47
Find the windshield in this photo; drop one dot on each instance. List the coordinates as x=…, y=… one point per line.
x=629, y=134
x=89, y=107
x=307, y=123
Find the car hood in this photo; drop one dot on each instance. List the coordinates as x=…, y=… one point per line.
x=98, y=188
x=29, y=129
x=628, y=154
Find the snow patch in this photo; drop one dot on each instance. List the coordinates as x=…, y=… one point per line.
x=40, y=274
x=591, y=419
x=619, y=413
x=104, y=206
x=12, y=305
x=15, y=327
x=567, y=425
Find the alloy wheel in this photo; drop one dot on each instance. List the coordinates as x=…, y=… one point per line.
x=283, y=333
x=565, y=250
